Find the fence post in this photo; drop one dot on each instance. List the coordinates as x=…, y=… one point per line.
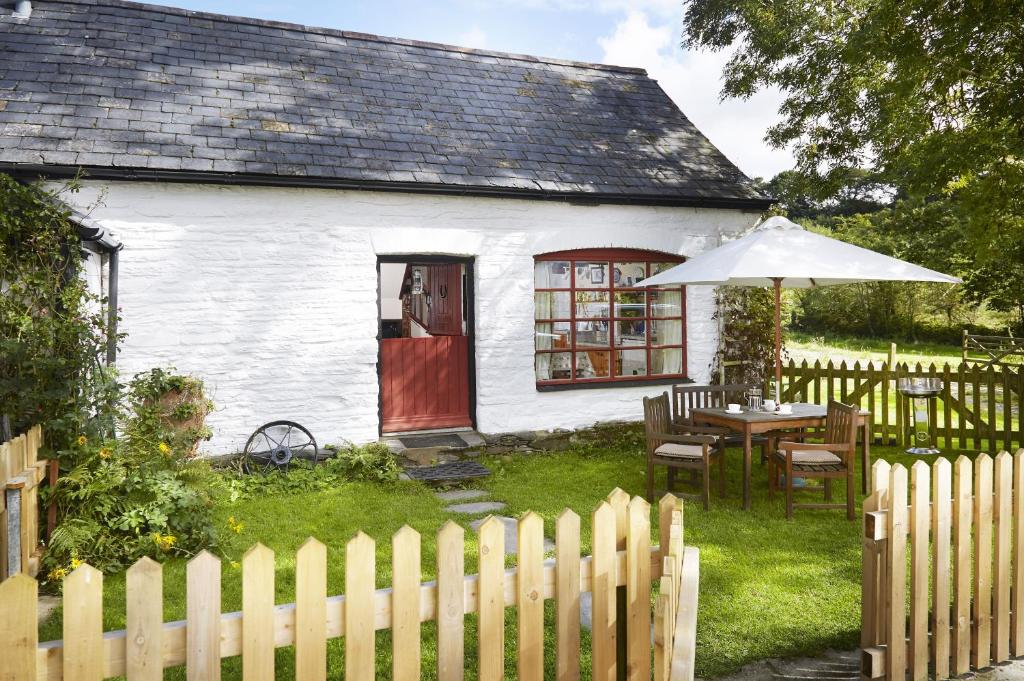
x=981, y=649
x=896, y=574
x=14, y=534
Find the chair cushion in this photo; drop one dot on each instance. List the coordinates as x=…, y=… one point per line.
x=813, y=457
x=680, y=451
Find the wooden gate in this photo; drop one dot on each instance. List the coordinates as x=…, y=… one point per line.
x=424, y=383
x=963, y=527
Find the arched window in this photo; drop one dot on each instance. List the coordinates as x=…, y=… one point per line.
x=591, y=326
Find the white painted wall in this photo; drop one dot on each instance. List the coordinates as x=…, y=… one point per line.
x=270, y=295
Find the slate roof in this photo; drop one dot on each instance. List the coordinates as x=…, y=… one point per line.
x=146, y=91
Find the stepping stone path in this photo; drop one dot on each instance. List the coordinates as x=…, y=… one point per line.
x=511, y=534
x=475, y=507
x=469, y=502
x=455, y=495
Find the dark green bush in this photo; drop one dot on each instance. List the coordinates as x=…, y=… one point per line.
x=141, y=494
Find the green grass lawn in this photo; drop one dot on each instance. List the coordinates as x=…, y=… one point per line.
x=805, y=346
x=768, y=587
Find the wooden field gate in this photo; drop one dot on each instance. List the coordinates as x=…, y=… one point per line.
x=623, y=558
x=961, y=607
x=21, y=471
x=979, y=409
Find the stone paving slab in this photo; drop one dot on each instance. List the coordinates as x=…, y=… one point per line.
x=475, y=507
x=460, y=495
x=511, y=534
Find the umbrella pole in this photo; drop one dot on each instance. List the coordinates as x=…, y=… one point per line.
x=777, y=281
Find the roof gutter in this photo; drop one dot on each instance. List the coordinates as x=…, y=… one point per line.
x=34, y=171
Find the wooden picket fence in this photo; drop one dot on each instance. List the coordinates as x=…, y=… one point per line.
x=21, y=471
x=963, y=527
x=978, y=410
x=623, y=560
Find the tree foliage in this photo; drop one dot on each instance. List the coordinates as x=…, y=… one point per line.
x=918, y=102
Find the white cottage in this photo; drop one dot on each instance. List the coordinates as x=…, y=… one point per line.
x=367, y=234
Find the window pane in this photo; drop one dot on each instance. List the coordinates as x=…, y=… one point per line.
x=666, y=332
x=628, y=273
x=553, y=335
x=632, y=332
x=551, y=305
x=630, y=362
x=552, y=274
x=666, y=302
x=554, y=366
x=667, y=361
x=592, y=364
x=630, y=304
x=591, y=304
x=592, y=334
x=592, y=275
x=657, y=267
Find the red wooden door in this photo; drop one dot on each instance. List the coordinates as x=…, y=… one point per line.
x=424, y=383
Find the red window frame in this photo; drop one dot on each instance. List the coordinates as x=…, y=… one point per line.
x=610, y=256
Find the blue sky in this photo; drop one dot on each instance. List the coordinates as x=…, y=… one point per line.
x=644, y=33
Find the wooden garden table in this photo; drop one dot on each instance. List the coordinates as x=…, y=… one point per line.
x=749, y=423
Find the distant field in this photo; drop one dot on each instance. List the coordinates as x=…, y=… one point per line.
x=811, y=347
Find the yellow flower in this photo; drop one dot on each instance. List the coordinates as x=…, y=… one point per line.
x=235, y=565
x=235, y=526
x=165, y=541
x=164, y=448
x=105, y=453
x=56, y=574
x=76, y=563
x=82, y=440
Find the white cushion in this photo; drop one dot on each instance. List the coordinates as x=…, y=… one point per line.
x=814, y=456
x=680, y=451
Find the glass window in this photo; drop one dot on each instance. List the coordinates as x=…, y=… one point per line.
x=592, y=325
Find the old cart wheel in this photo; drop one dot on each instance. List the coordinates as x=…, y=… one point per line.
x=275, y=444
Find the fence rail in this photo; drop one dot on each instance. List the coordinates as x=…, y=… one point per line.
x=978, y=410
x=623, y=558
x=963, y=527
x=21, y=471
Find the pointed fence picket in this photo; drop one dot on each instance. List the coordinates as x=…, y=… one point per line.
x=960, y=529
x=623, y=558
x=978, y=410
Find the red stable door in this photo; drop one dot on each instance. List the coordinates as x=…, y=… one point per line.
x=424, y=375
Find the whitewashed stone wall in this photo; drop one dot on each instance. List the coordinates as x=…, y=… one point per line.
x=270, y=295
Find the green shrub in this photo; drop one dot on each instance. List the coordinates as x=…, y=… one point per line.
x=141, y=494
x=372, y=462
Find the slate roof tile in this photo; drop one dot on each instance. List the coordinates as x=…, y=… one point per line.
x=127, y=85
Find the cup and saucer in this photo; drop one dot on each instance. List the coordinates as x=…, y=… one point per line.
x=784, y=409
x=733, y=408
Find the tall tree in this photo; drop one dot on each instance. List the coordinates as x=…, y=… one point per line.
x=927, y=95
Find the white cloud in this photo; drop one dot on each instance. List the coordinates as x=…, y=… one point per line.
x=693, y=81
x=474, y=37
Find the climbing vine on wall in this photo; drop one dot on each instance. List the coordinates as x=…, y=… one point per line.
x=747, y=344
x=52, y=329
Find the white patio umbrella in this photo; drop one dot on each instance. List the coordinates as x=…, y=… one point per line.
x=781, y=253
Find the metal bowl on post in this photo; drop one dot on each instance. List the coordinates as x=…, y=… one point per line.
x=919, y=391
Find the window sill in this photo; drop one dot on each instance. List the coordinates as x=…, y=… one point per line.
x=590, y=385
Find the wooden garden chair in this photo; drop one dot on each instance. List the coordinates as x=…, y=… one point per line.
x=688, y=397
x=679, y=448
x=829, y=460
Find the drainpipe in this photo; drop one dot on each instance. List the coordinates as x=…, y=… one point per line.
x=112, y=267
